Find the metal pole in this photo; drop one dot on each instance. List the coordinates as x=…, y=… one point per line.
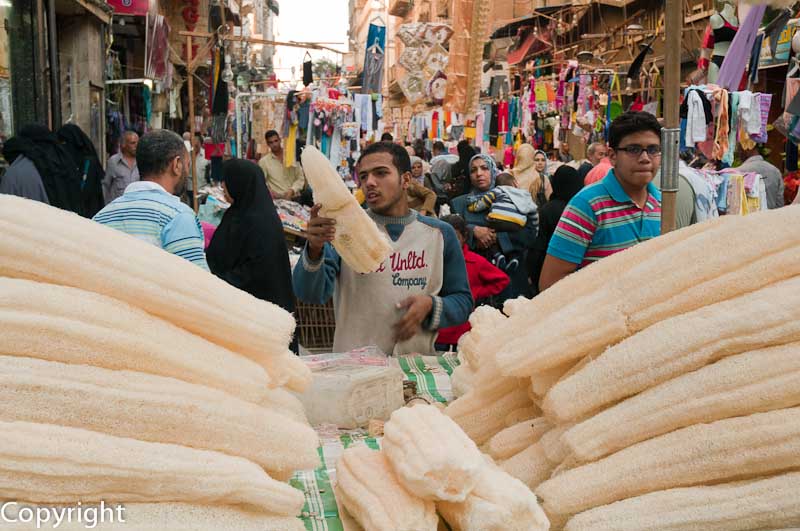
x=673, y=32
x=190, y=76
x=41, y=61
x=55, y=82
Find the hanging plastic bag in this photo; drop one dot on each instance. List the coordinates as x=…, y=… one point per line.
x=308, y=70
x=615, y=107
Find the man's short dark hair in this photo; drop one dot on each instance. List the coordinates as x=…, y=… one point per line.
x=438, y=146
x=387, y=137
x=157, y=149
x=629, y=123
x=269, y=134
x=400, y=157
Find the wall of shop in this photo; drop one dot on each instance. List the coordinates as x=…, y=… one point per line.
x=81, y=42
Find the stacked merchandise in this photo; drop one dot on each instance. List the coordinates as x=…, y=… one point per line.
x=132, y=376
x=293, y=215
x=425, y=58
x=663, y=399
x=427, y=464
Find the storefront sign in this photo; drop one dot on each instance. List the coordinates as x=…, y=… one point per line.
x=130, y=7
x=782, y=51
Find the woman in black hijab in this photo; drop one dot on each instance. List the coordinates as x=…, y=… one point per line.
x=460, y=171
x=566, y=183
x=52, y=161
x=87, y=164
x=248, y=249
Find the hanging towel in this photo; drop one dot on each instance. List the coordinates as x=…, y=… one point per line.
x=738, y=55
x=721, y=140
x=696, y=125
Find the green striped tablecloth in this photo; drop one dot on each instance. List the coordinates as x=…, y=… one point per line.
x=320, y=512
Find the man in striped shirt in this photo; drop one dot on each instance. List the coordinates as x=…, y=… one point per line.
x=616, y=213
x=150, y=209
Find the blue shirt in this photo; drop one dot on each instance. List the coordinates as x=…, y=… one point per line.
x=148, y=212
x=602, y=220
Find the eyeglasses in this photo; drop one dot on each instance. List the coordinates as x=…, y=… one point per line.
x=636, y=151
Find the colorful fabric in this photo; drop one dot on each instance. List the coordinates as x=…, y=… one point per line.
x=602, y=220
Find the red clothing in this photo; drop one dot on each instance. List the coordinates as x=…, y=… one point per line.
x=485, y=280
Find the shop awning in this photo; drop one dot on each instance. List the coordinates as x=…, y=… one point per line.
x=510, y=28
x=532, y=44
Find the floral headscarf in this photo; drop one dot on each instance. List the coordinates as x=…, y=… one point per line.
x=492, y=171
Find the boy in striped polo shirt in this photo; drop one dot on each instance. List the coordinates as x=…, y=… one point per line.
x=150, y=209
x=618, y=212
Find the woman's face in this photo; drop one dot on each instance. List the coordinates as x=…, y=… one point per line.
x=228, y=197
x=539, y=162
x=416, y=170
x=480, y=175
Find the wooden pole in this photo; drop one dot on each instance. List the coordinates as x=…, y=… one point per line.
x=671, y=134
x=190, y=76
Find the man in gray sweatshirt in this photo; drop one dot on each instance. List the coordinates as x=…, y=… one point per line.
x=420, y=288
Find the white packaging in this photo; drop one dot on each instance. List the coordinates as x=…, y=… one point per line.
x=349, y=396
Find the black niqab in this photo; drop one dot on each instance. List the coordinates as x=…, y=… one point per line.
x=53, y=162
x=87, y=164
x=461, y=168
x=248, y=249
x=566, y=183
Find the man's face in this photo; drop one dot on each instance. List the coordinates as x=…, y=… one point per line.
x=181, y=171
x=636, y=170
x=381, y=182
x=129, y=145
x=597, y=155
x=274, y=144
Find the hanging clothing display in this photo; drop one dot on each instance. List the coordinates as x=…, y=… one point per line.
x=732, y=69
x=373, y=70
x=373, y=59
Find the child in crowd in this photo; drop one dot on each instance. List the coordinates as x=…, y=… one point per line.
x=485, y=281
x=508, y=208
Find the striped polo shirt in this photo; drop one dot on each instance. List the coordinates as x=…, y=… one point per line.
x=150, y=213
x=602, y=220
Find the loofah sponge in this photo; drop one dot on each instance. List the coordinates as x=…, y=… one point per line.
x=431, y=455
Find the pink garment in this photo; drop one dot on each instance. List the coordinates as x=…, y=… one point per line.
x=598, y=173
x=502, y=117
x=208, y=232
x=508, y=157
x=479, y=125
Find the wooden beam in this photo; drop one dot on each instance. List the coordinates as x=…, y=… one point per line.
x=250, y=40
x=192, y=155
x=104, y=17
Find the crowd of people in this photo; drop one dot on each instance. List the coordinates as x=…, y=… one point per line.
x=465, y=228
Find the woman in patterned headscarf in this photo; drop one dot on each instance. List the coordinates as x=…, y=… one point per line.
x=513, y=245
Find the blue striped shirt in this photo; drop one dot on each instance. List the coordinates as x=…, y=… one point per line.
x=148, y=212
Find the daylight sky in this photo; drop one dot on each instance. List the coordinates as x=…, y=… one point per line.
x=309, y=21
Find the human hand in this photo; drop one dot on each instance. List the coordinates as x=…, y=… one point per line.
x=484, y=236
x=320, y=230
x=417, y=309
